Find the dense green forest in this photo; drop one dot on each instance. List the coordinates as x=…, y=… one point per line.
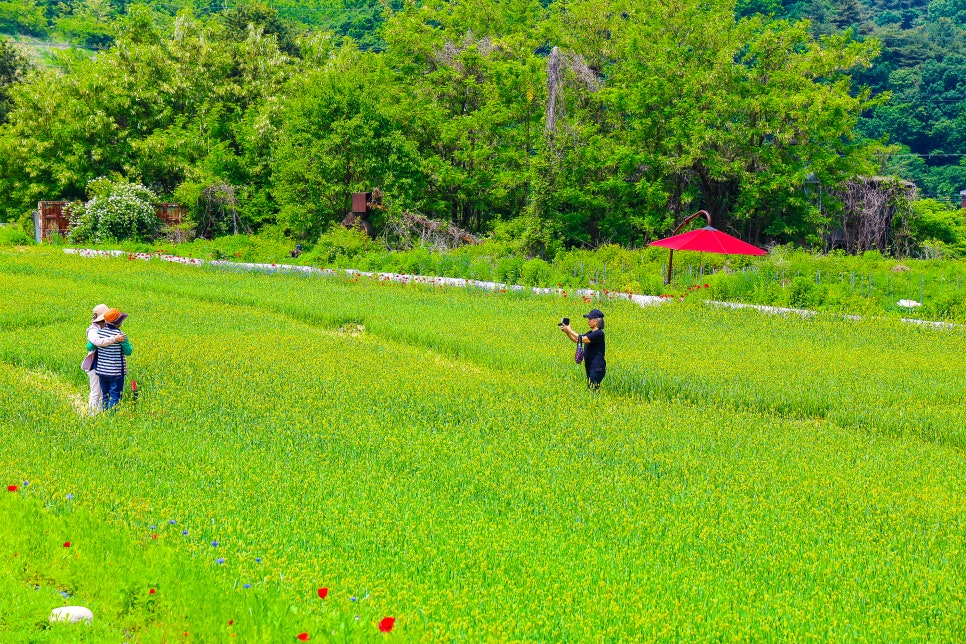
x=923, y=68
x=564, y=123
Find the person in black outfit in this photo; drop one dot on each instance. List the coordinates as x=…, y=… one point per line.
x=593, y=342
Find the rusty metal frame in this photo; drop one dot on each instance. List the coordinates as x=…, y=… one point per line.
x=670, y=254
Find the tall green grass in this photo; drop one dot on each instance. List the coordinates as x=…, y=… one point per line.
x=740, y=476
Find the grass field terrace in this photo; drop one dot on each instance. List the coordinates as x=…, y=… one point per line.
x=430, y=454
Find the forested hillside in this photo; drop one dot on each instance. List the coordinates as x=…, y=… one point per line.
x=573, y=123
x=88, y=23
x=922, y=65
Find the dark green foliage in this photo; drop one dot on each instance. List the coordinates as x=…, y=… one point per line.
x=13, y=66
x=248, y=17
x=582, y=124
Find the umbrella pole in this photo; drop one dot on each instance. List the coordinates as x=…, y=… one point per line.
x=670, y=255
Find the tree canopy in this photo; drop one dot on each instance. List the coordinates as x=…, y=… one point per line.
x=586, y=121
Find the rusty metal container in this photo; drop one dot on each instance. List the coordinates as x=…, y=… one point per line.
x=171, y=214
x=360, y=202
x=51, y=219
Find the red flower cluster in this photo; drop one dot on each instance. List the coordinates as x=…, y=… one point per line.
x=302, y=636
x=323, y=593
x=152, y=591
x=386, y=624
x=12, y=488
x=67, y=544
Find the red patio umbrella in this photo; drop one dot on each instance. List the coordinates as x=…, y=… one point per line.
x=704, y=240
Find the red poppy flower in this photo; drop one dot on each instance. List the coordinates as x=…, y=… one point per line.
x=230, y=622
x=151, y=592
x=154, y=536
x=302, y=636
x=386, y=624
x=323, y=592
x=67, y=544
x=706, y=286
x=12, y=488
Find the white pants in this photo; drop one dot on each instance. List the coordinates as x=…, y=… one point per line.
x=96, y=400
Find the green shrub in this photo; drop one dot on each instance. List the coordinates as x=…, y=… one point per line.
x=536, y=272
x=481, y=269
x=13, y=236
x=508, y=269
x=934, y=222
x=418, y=261
x=338, y=242
x=801, y=292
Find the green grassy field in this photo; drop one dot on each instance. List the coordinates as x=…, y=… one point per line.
x=431, y=455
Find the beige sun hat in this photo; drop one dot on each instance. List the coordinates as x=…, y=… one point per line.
x=99, y=312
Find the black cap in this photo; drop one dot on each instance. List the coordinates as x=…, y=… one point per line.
x=594, y=313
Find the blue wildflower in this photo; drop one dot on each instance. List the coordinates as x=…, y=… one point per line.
x=70, y=496
x=172, y=522
x=184, y=532
x=220, y=560
x=214, y=544
x=258, y=560
x=247, y=586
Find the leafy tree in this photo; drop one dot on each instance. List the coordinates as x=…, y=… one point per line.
x=470, y=98
x=250, y=17
x=338, y=135
x=13, y=68
x=22, y=17
x=87, y=22
x=702, y=111
x=161, y=110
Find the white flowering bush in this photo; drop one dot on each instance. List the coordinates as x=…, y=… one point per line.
x=117, y=210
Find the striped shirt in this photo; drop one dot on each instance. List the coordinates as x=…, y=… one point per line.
x=110, y=359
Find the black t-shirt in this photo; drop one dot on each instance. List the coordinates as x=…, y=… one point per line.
x=594, y=351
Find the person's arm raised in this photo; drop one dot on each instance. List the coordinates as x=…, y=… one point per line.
x=98, y=341
x=573, y=334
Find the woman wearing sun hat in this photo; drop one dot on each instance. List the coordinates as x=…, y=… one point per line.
x=96, y=401
x=111, y=362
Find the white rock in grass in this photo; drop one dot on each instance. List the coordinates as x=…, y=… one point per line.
x=72, y=614
x=908, y=304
